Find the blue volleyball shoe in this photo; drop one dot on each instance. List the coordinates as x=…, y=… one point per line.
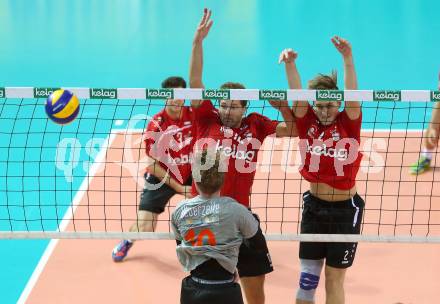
x=421, y=166
x=121, y=250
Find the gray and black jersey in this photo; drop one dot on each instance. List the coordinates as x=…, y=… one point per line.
x=211, y=228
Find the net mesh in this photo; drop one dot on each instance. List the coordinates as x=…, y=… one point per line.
x=84, y=180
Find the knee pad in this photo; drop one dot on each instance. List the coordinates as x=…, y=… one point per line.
x=309, y=279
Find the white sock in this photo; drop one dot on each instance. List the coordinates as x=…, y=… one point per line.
x=427, y=153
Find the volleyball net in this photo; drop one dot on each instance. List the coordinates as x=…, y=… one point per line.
x=84, y=180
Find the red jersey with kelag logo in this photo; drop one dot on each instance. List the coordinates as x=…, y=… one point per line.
x=171, y=142
x=330, y=154
x=241, y=145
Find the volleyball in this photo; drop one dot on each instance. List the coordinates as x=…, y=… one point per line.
x=62, y=106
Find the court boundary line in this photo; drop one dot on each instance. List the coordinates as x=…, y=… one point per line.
x=66, y=219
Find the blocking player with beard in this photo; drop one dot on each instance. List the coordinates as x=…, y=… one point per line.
x=240, y=138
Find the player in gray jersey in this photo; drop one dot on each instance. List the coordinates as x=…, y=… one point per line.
x=209, y=230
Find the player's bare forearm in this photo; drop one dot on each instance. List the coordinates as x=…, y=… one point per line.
x=288, y=127
x=350, y=78
x=353, y=108
x=196, y=65
x=156, y=169
x=435, y=117
x=196, y=69
x=294, y=80
x=343, y=46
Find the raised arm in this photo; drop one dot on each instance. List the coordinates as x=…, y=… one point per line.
x=352, y=108
x=435, y=120
x=288, y=56
x=432, y=134
x=196, y=64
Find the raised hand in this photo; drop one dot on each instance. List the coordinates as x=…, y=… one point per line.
x=438, y=81
x=342, y=45
x=279, y=104
x=287, y=55
x=432, y=136
x=204, y=26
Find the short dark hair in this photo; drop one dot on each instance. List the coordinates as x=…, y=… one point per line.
x=174, y=82
x=211, y=179
x=235, y=85
x=324, y=82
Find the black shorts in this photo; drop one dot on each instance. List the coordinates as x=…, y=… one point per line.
x=197, y=293
x=322, y=217
x=254, y=262
x=156, y=200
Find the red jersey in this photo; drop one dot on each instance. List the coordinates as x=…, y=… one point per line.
x=241, y=145
x=330, y=154
x=171, y=142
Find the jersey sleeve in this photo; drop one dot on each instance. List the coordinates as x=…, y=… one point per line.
x=150, y=134
x=303, y=123
x=352, y=126
x=247, y=224
x=205, y=112
x=265, y=126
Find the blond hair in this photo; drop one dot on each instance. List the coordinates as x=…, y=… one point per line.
x=324, y=82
